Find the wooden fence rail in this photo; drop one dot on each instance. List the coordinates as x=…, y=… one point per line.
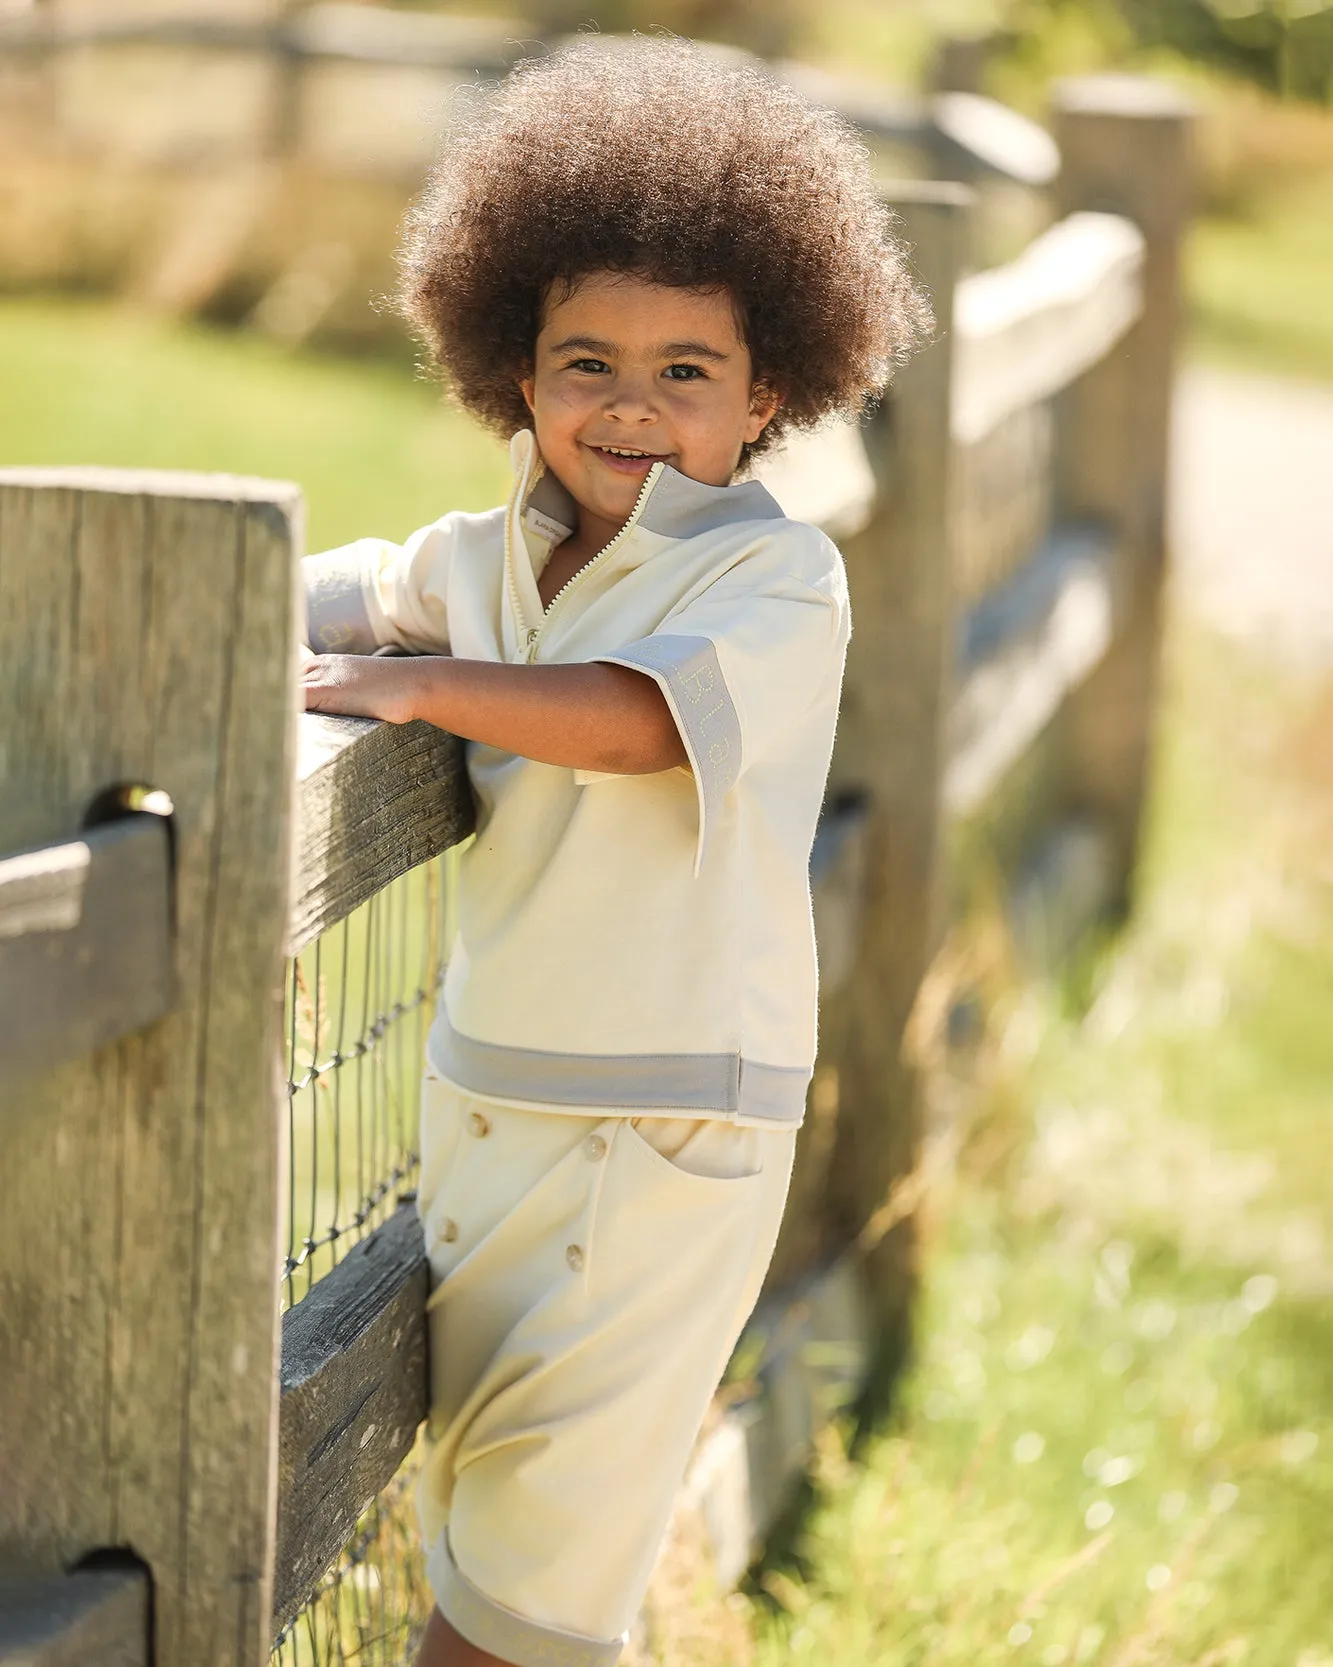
x=293, y=65
x=257, y=166
x=157, y=1417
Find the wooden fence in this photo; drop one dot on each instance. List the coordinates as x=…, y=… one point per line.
x=252, y=158
x=361, y=87
x=181, y=1459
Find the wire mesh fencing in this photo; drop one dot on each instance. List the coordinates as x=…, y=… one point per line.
x=360, y=1000
x=370, y=1607
x=359, y=1003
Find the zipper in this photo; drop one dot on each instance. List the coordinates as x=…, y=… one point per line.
x=534, y=636
x=514, y=600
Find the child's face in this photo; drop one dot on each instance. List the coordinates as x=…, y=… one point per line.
x=625, y=365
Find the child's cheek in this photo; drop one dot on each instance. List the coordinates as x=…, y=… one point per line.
x=565, y=404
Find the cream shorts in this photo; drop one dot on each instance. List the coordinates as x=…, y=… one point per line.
x=591, y=1276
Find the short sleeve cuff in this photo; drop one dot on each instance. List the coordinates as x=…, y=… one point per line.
x=337, y=618
x=687, y=670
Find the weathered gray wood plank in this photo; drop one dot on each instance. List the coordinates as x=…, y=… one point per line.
x=314, y=32
x=373, y=801
x=92, y=1616
x=1023, y=649
x=1126, y=147
x=139, y=1248
x=85, y=942
x=1024, y=331
x=965, y=136
x=890, y=750
x=991, y=139
x=824, y=478
x=353, y=1394
x=376, y=35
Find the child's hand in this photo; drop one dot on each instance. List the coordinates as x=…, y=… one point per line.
x=360, y=686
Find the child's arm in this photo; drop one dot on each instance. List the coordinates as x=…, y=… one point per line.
x=586, y=717
x=374, y=594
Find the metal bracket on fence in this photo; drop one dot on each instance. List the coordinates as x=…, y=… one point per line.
x=85, y=941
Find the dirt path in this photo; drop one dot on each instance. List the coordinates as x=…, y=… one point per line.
x=1252, y=510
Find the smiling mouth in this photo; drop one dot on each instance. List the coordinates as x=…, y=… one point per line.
x=628, y=455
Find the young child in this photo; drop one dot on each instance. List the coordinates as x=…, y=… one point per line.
x=650, y=263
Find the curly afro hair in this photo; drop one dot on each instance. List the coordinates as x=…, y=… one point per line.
x=683, y=165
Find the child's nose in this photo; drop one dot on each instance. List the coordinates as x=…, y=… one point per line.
x=631, y=400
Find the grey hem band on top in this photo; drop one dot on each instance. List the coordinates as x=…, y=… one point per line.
x=702, y=1085
x=490, y=1626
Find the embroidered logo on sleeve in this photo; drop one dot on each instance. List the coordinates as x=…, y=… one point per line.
x=713, y=719
x=335, y=635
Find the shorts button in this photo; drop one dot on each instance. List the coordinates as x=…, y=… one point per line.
x=478, y=1125
x=574, y=1256
x=595, y=1147
x=448, y=1231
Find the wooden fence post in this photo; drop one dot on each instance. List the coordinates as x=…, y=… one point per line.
x=890, y=750
x=147, y=637
x=1124, y=145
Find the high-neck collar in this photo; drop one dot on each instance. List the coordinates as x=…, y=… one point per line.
x=676, y=506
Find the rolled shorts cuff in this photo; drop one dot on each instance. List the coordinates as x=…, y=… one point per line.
x=491, y=1626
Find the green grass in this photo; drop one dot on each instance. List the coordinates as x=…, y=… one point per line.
x=1116, y=1444
x=374, y=447
x=1260, y=286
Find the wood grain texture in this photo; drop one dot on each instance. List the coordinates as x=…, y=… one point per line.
x=147, y=636
x=91, y=1616
x=373, y=801
x=891, y=750
x=1001, y=500
x=1126, y=147
x=85, y=942
x=353, y=1394
x=1026, y=330
x=1024, y=648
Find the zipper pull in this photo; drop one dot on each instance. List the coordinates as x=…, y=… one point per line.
x=530, y=645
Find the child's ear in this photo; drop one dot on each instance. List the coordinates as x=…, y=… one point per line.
x=527, y=387
x=764, y=403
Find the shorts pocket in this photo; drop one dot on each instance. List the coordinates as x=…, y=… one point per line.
x=704, y=1150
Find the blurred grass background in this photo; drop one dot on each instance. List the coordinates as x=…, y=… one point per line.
x=373, y=447
x=1116, y=1443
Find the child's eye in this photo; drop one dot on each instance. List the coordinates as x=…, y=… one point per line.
x=683, y=373
x=594, y=367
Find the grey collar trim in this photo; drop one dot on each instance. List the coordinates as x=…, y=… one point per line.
x=677, y=507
